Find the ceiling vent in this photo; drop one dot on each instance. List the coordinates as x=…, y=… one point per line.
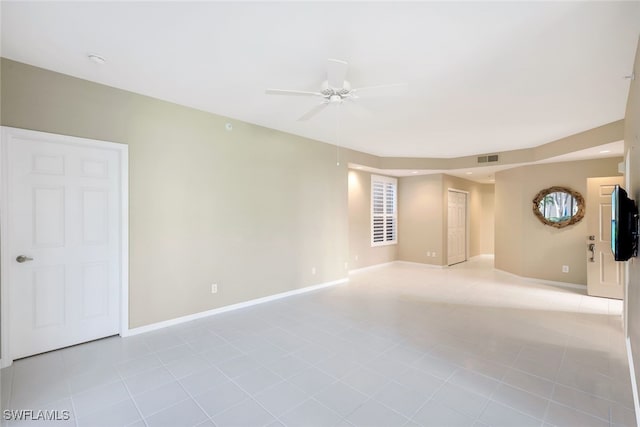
x=488, y=159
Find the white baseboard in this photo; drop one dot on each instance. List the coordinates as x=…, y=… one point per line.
x=420, y=264
x=202, y=314
x=371, y=267
x=581, y=286
x=634, y=385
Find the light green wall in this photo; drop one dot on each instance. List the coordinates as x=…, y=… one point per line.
x=526, y=247
x=252, y=210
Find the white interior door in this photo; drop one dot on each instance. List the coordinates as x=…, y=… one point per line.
x=457, y=227
x=605, y=276
x=63, y=219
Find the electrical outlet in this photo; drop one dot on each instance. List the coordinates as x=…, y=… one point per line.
x=429, y=253
x=313, y=270
x=565, y=268
x=356, y=257
x=433, y=254
x=214, y=288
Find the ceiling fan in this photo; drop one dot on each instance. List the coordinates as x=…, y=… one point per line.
x=337, y=89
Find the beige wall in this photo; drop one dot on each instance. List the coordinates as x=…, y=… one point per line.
x=632, y=147
x=252, y=210
x=361, y=253
x=509, y=228
x=420, y=218
x=526, y=247
x=422, y=209
x=487, y=219
x=479, y=209
x=194, y=196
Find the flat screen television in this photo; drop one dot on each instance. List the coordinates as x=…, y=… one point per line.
x=624, y=225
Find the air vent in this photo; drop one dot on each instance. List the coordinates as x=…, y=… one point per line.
x=488, y=159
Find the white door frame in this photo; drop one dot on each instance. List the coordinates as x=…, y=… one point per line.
x=467, y=222
x=123, y=154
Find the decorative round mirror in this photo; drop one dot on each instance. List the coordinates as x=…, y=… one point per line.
x=558, y=206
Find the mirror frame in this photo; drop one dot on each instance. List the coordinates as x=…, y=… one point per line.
x=573, y=220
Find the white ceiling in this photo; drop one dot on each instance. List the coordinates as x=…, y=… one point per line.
x=483, y=76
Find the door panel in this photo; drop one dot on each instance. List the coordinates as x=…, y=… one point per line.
x=605, y=276
x=95, y=216
x=64, y=212
x=49, y=296
x=48, y=217
x=456, y=227
x=95, y=289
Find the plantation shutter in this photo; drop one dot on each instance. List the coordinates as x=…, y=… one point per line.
x=383, y=210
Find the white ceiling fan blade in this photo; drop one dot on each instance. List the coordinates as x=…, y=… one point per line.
x=393, y=89
x=315, y=110
x=291, y=92
x=357, y=109
x=336, y=73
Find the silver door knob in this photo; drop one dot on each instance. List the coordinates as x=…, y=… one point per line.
x=23, y=258
x=592, y=248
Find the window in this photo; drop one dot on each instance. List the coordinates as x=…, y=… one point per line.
x=384, y=212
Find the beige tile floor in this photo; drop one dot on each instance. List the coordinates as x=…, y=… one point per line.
x=399, y=345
